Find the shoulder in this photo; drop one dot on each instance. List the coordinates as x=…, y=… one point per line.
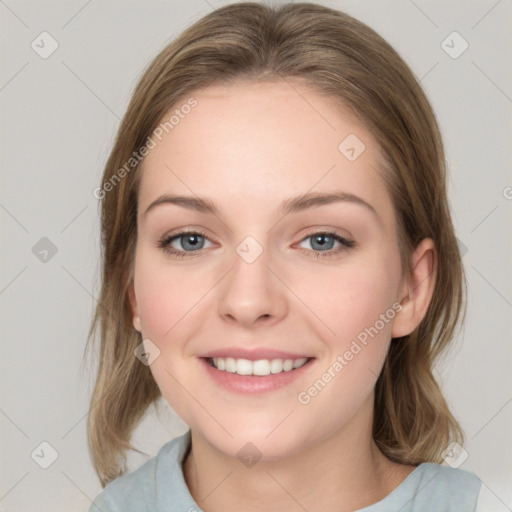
x=488, y=501
x=139, y=489
x=432, y=487
x=448, y=475
x=451, y=488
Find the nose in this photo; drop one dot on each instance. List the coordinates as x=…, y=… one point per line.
x=252, y=293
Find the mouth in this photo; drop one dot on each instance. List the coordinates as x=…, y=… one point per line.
x=259, y=367
x=255, y=370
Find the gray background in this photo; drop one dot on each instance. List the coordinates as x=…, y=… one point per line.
x=59, y=117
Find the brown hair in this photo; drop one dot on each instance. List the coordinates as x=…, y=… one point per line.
x=351, y=64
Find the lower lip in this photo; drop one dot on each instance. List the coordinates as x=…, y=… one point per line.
x=253, y=383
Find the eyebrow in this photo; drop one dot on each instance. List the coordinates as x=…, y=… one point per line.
x=290, y=205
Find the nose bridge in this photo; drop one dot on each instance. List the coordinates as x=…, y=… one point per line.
x=251, y=291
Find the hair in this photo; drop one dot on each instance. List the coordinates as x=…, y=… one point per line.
x=348, y=62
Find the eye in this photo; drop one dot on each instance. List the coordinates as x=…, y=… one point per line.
x=189, y=241
x=322, y=243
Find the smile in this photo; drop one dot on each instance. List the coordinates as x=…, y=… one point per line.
x=260, y=367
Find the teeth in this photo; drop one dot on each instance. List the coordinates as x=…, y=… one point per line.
x=230, y=365
x=276, y=366
x=260, y=367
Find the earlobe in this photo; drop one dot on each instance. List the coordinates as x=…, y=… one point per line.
x=133, y=304
x=418, y=292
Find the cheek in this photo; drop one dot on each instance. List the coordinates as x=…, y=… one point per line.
x=345, y=300
x=365, y=308
x=166, y=296
x=355, y=303
x=358, y=309
x=170, y=302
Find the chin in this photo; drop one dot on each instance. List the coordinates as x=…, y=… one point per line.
x=264, y=443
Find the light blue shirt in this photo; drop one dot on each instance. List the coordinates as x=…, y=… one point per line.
x=159, y=486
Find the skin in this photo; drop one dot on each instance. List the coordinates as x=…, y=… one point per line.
x=247, y=147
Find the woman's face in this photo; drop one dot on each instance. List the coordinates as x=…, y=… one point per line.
x=260, y=279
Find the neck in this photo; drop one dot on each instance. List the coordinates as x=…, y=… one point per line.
x=342, y=472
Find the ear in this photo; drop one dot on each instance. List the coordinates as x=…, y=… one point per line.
x=416, y=293
x=133, y=304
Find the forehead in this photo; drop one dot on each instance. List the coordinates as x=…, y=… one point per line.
x=254, y=143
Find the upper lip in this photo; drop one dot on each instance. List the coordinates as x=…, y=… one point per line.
x=253, y=354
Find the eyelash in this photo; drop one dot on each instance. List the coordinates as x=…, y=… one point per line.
x=165, y=242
